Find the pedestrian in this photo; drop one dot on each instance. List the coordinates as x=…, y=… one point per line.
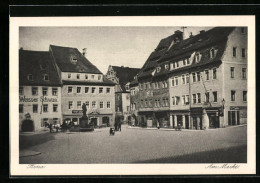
x=158, y=125
x=119, y=126
x=50, y=126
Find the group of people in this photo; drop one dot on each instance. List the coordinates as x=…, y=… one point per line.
x=64, y=127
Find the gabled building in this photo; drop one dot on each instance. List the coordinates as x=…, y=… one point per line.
x=199, y=82
x=122, y=76
x=82, y=82
x=39, y=90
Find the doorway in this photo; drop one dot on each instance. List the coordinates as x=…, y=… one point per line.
x=187, y=122
x=105, y=121
x=94, y=122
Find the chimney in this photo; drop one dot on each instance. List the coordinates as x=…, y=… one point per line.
x=202, y=31
x=84, y=51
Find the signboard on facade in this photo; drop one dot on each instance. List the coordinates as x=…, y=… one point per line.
x=42, y=99
x=77, y=111
x=237, y=107
x=149, y=123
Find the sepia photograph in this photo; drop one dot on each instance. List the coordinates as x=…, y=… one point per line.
x=124, y=94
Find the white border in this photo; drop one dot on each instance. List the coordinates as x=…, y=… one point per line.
x=129, y=169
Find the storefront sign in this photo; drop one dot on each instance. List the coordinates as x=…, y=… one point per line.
x=45, y=99
x=77, y=111
x=25, y=99
x=237, y=107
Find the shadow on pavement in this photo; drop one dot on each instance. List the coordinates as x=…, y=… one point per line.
x=228, y=155
x=26, y=141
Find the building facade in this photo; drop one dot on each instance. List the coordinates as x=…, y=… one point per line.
x=39, y=91
x=122, y=76
x=198, y=83
x=82, y=83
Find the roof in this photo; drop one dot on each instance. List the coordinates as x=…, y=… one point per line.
x=63, y=57
x=37, y=63
x=125, y=74
x=213, y=38
x=105, y=82
x=160, y=50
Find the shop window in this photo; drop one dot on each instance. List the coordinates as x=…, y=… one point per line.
x=244, y=96
x=54, y=91
x=55, y=107
x=20, y=108
x=45, y=107
x=34, y=91
x=215, y=96
x=44, y=91
x=233, y=95
x=20, y=90
x=35, y=108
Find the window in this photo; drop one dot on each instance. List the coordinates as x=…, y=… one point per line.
x=108, y=90
x=45, y=107
x=70, y=105
x=86, y=76
x=93, y=104
x=188, y=61
x=145, y=103
x=78, y=104
x=172, y=66
x=177, y=64
x=232, y=72
x=243, y=73
x=215, y=97
x=176, y=81
x=70, y=89
x=101, y=105
x=243, y=52
x=99, y=77
x=35, y=108
x=54, y=91
x=55, y=107
x=30, y=77
x=87, y=104
x=183, y=100
x=166, y=66
x=199, y=98
x=46, y=77
x=158, y=69
x=92, y=76
x=20, y=108
x=172, y=81
x=173, y=100
x=234, y=51
x=20, y=90
x=69, y=75
x=194, y=98
x=108, y=105
x=198, y=76
x=78, y=76
x=184, y=61
x=194, y=77
x=78, y=89
x=244, y=96
x=101, y=90
x=44, y=91
x=214, y=73
x=86, y=89
x=34, y=91
x=197, y=57
x=207, y=97
x=165, y=102
x=187, y=78
x=177, y=101
x=212, y=53
x=45, y=120
x=187, y=99
x=233, y=95
x=183, y=79
x=207, y=74
x=93, y=89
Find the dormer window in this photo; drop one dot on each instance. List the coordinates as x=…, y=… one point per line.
x=78, y=76
x=212, y=53
x=197, y=57
x=99, y=77
x=177, y=64
x=158, y=69
x=184, y=61
x=46, y=77
x=166, y=66
x=74, y=59
x=188, y=61
x=30, y=77
x=86, y=76
x=69, y=75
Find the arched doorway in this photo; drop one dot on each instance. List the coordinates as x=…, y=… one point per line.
x=93, y=122
x=27, y=125
x=105, y=120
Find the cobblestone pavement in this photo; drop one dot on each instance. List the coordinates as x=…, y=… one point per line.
x=226, y=145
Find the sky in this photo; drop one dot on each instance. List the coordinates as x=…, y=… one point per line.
x=118, y=46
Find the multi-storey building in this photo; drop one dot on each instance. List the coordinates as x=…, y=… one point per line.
x=198, y=82
x=122, y=76
x=83, y=83
x=39, y=91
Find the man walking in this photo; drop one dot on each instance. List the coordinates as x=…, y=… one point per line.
x=119, y=126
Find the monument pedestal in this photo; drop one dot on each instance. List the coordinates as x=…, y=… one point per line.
x=83, y=122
